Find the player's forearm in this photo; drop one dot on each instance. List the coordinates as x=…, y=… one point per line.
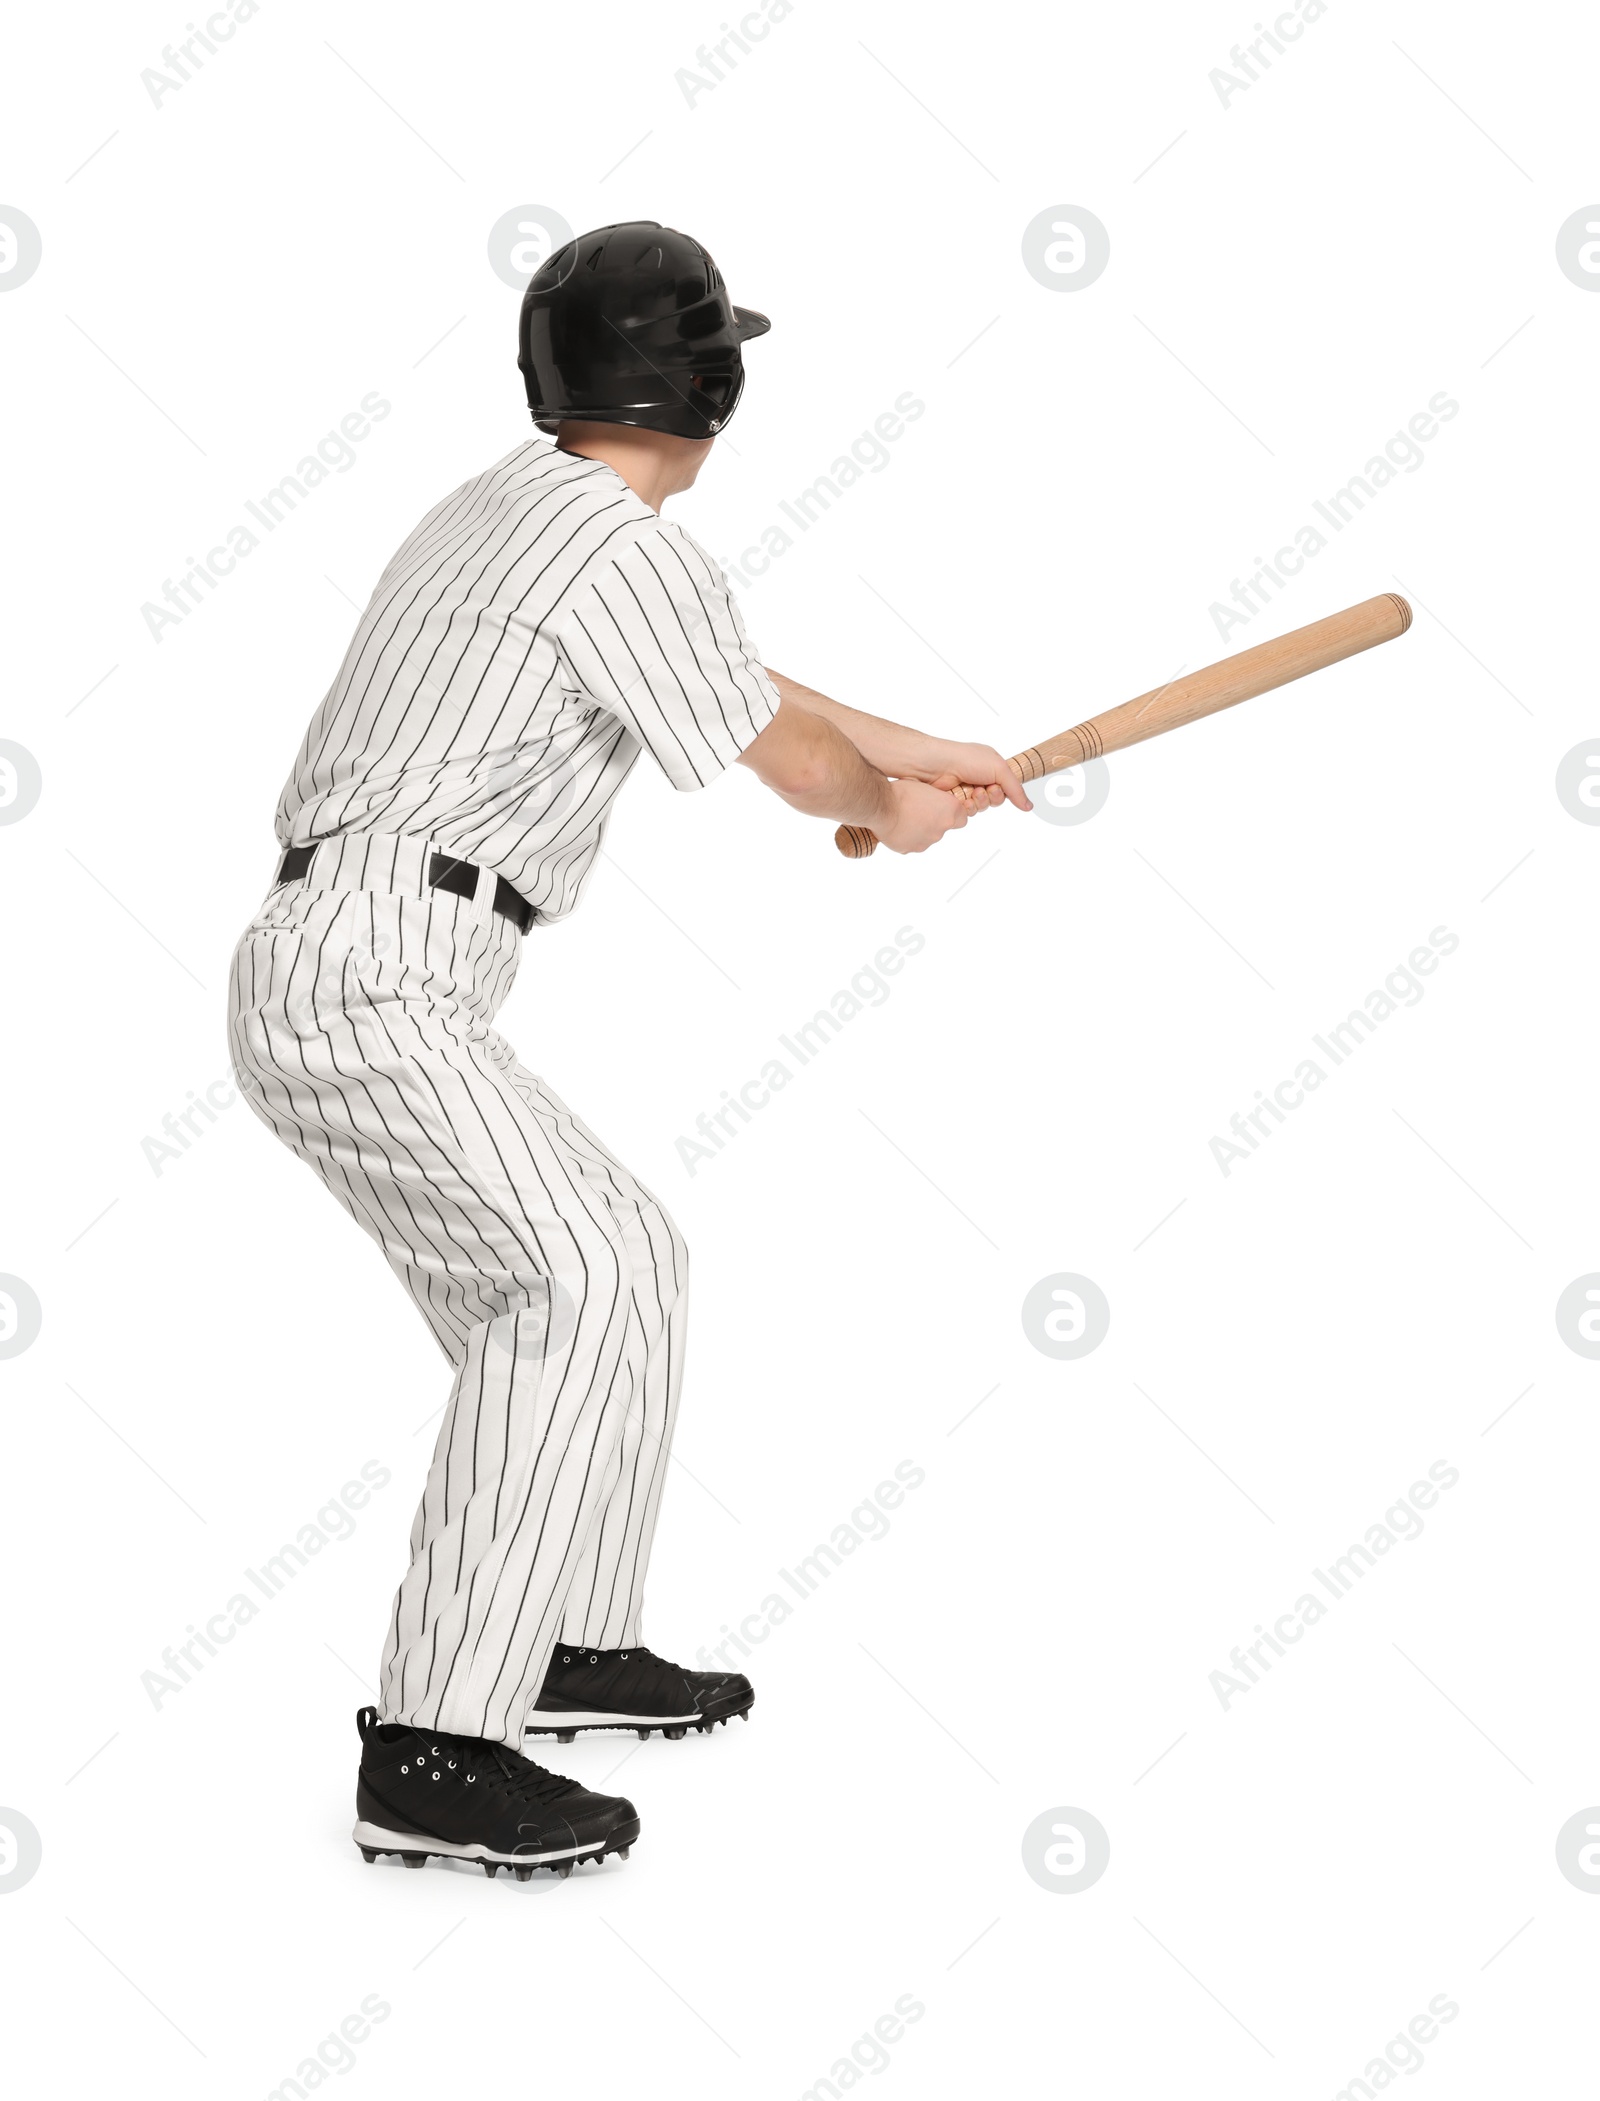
x=817, y=769
x=889, y=746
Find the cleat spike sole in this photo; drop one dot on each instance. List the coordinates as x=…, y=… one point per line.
x=524, y=1871
x=671, y=1730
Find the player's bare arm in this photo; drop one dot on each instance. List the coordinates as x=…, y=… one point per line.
x=908, y=754
x=820, y=771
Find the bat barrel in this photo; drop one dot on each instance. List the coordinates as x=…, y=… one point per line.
x=1253, y=671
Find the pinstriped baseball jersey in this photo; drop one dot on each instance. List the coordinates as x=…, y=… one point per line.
x=538, y=627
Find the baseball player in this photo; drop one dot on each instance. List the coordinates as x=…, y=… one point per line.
x=538, y=628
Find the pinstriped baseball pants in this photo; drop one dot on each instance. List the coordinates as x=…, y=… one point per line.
x=360, y=1011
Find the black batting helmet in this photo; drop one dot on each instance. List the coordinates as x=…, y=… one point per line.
x=632, y=324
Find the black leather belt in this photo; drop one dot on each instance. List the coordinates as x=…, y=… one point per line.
x=445, y=872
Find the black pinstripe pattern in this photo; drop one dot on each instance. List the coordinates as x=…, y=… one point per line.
x=538, y=628
x=361, y=1007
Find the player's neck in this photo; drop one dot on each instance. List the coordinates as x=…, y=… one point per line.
x=652, y=463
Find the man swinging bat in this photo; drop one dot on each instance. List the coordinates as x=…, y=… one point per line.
x=537, y=629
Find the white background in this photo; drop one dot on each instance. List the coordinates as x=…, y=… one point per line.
x=1370, y=223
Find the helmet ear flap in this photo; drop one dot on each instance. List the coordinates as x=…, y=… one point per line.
x=525, y=364
x=719, y=393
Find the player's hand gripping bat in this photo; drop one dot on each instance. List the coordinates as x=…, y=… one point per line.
x=1199, y=693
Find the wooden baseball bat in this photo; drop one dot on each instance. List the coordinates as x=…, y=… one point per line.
x=1199, y=693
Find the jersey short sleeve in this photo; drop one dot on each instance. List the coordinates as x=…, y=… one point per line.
x=652, y=635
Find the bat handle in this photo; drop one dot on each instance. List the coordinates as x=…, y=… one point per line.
x=854, y=841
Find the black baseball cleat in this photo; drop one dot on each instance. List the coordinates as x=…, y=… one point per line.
x=427, y=1796
x=632, y=1689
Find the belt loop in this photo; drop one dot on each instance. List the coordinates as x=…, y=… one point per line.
x=483, y=895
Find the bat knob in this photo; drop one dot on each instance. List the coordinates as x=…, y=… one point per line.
x=854, y=841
